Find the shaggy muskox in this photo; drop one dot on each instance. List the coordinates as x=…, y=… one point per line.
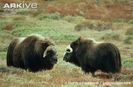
x=92, y=56
x=33, y=52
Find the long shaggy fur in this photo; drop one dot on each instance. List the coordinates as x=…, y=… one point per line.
x=27, y=53
x=92, y=56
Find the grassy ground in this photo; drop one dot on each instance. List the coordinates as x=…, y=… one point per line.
x=63, y=29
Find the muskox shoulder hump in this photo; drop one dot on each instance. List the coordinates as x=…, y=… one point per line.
x=94, y=41
x=20, y=40
x=37, y=36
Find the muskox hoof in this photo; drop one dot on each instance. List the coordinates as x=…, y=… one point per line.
x=93, y=74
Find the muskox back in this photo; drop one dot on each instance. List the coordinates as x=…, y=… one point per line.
x=108, y=58
x=10, y=51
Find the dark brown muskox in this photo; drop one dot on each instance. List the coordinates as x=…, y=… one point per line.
x=92, y=56
x=33, y=52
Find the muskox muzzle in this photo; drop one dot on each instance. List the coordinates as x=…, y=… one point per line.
x=53, y=59
x=67, y=54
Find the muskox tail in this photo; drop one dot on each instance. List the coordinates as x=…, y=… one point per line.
x=117, y=58
x=10, y=53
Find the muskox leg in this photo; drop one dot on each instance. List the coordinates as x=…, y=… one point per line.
x=31, y=64
x=93, y=74
x=87, y=69
x=110, y=75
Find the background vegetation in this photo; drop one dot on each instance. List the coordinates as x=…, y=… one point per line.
x=64, y=21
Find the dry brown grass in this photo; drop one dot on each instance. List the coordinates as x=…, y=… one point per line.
x=8, y=27
x=7, y=1
x=94, y=25
x=92, y=10
x=129, y=31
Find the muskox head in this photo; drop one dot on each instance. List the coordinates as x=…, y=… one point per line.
x=76, y=48
x=71, y=52
x=47, y=52
x=50, y=54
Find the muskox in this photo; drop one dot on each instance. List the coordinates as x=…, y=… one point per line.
x=33, y=53
x=92, y=56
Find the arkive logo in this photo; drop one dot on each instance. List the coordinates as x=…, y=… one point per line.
x=20, y=5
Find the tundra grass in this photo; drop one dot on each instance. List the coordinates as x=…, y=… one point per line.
x=61, y=30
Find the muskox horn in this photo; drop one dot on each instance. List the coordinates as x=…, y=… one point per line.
x=48, y=48
x=69, y=49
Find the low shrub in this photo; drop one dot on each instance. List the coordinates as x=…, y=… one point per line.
x=8, y=27
x=129, y=31
x=55, y=16
x=98, y=26
x=111, y=36
x=128, y=62
x=19, y=18
x=74, y=19
x=128, y=40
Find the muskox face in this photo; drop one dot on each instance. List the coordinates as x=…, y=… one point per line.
x=71, y=53
x=50, y=54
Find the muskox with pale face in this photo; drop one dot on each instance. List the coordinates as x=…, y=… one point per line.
x=33, y=53
x=92, y=56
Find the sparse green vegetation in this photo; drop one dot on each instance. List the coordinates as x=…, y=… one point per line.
x=74, y=19
x=54, y=16
x=5, y=39
x=111, y=36
x=128, y=40
x=129, y=31
x=128, y=62
x=93, y=25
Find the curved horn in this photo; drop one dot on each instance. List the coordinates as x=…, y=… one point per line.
x=48, y=48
